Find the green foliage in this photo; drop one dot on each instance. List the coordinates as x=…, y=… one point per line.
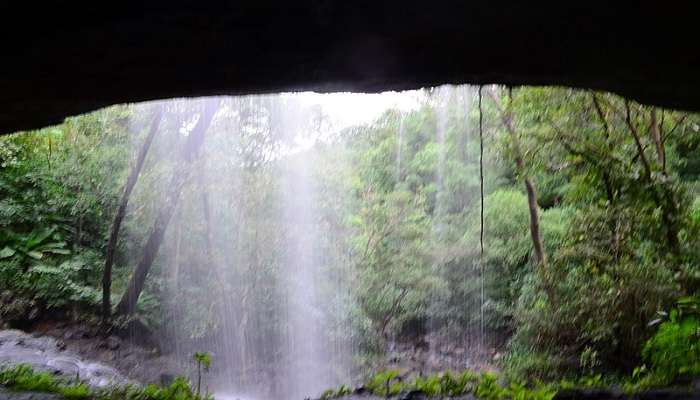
x=673, y=353
x=178, y=390
x=32, y=246
x=622, y=244
x=58, y=188
x=75, y=392
x=447, y=384
x=47, y=284
x=384, y=383
x=399, y=224
x=414, y=185
x=522, y=362
x=24, y=378
x=203, y=360
x=341, y=391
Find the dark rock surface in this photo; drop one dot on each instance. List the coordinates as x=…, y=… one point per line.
x=612, y=394
x=10, y=395
x=434, y=353
x=577, y=394
x=411, y=395
x=48, y=354
x=63, y=58
x=138, y=361
x=69, y=348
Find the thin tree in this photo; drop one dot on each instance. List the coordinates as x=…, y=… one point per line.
x=127, y=304
x=507, y=121
x=121, y=212
x=662, y=192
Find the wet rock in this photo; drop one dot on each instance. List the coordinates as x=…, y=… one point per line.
x=76, y=333
x=668, y=394
x=45, y=354
x=110, y=343
x=408, y=395
x=166, y=379
x=113, y=343
x=10, y=395
x=614, y=394
x=412, y=395
x=360, y=391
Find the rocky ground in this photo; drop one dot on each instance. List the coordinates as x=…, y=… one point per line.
x=64, y=347
x=411, y=395
x=572, y=394
x=435, y=353
x=48, y=354
x=10, y=395
x=598, y=394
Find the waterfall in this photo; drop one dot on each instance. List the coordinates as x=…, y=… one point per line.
x=259, y=259
x=251, y=279
x=304, y=370
x=399, y=146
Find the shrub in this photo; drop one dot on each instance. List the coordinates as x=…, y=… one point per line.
x=385, y=383
x=523, y=363
x=447, y=384
x=674, y=351
x=24, y=378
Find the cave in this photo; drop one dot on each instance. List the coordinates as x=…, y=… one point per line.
x=66, y=58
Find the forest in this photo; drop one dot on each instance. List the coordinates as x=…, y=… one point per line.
x=528, y=239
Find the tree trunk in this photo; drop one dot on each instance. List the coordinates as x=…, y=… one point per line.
x=540, y=256
x=121, y=212
x=655, y=134
x=507, y=120
x=670, y=210
x=662, y=193
x=610, y=191
x=127, y=305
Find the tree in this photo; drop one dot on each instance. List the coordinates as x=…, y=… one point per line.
x=121, y=212
x=507, y=121
x=127, y=304
x=203, y=360
x=656, y=176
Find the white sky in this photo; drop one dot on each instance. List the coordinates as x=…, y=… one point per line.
x=347, y=109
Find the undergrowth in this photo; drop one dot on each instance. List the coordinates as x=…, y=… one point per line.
x=489, y=386
x=25, y=378
x=484, y=386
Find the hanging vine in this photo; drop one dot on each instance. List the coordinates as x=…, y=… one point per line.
x=481, y=227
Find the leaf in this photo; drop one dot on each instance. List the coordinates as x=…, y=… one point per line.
x=36, y=238
x=35, y=255
x=57, y=251
x=674, y=315
x=7, y=252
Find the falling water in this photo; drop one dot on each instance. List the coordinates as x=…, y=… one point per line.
x=452, y=143
x=251, y=279
x=256, y=275
x=441, y=101
x=305, y=361
x=399, y=146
